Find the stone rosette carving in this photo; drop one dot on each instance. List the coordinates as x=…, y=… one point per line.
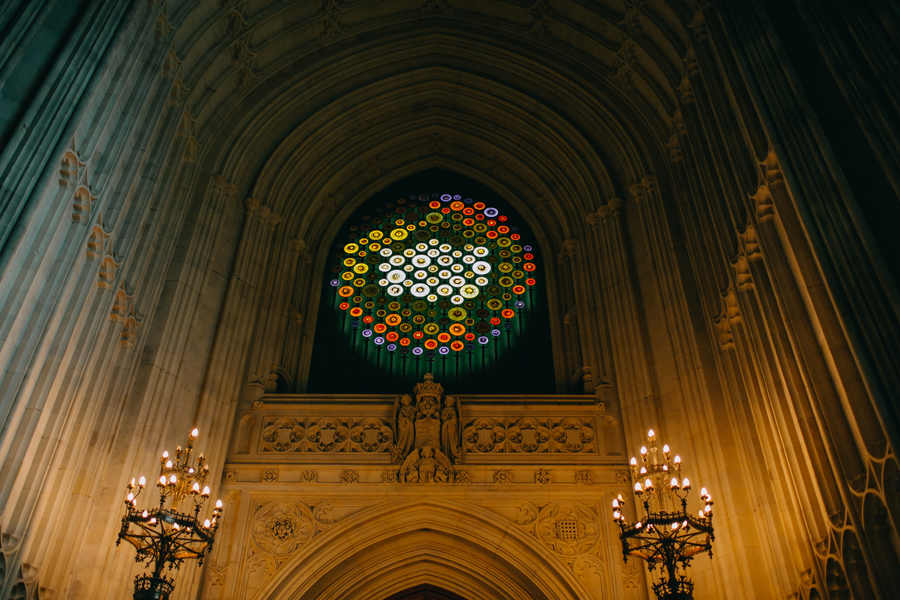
x=309, y=476
x=270, y=475
x=542, y=476
x=350, y=476
x=282, y=435
x=371, y=435
x=279, y=528
x=583, y=477
x=503, y=476
x=567, y=528
x=328, y=435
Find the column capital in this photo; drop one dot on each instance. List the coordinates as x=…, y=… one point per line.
x=615, y=205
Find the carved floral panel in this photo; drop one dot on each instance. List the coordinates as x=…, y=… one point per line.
x=533, y=435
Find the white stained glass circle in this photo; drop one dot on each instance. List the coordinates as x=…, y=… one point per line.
x=445, y=290
x=395, y=290
x=480, y=251
x=457, y=281
x=420, y=290
x=397, y=260
x=421, y=261
x=482, y=281
x=469, y=290
x=481, y=267
x=396, y=276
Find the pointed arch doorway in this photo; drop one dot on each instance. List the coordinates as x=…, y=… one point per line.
x=425, y=592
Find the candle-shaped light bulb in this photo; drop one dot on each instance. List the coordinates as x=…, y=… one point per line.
x=177, y=449
x=703, y=492
x=176, y=526
x=206, y=523
x=633, y=461
x=638, y=489
x=205, y=493
x=650, y=434
x=701, y=515
x=643, y=470
x=219, y=504
x=173, y=479
x=666, y=448
x=686, y=484
x=142, y=481
x=674, y=526
x=153, y=520
x=165, y=454
x=195, y=489
x=643, y=450
x=665, y=467
x=615, y=503
x=638, y=525
x=616, y=515
x=677, y=460
x=674, y=483
x=707, y=508
x=129, y=497
x=144, y=514
x=131, y=487
x=162, y=480
x=620, y=499
x=648, y=483
x=168, y=464
x=194, y=433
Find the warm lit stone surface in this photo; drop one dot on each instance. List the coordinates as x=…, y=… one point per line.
x=714, y=189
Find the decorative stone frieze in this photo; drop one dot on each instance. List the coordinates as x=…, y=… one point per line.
x=529, y=435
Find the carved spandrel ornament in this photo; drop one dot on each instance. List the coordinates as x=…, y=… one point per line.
x=427, y=433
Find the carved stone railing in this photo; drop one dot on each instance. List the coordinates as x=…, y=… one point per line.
x=358, y=430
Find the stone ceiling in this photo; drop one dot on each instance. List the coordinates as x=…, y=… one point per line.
x=557, y=105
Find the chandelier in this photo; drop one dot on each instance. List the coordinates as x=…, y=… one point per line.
x=666, y=535
x=168, y=534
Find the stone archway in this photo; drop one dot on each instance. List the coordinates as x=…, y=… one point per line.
x=425, y=592
x=452, y=550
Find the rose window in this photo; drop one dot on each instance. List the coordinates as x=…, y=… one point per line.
x=431, y=276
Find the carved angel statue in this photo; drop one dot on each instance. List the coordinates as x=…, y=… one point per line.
x=404, y=425
x=425, y=465
x=450, y=429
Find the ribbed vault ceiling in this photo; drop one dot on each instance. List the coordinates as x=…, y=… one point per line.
x=311, y=107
